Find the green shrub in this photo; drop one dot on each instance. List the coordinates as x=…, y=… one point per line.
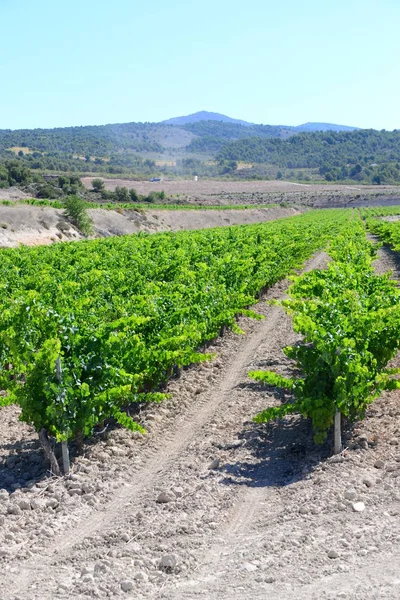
x=75, y=211
x=98, y=185
x=134, y=195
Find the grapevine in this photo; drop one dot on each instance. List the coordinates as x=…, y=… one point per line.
x=350, y=320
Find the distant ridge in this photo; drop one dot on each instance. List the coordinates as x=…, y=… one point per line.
x=204, y=115
x=323, y=127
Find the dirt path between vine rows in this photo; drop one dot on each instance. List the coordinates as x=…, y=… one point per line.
x=208, y=504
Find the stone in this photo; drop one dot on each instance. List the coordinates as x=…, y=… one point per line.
x=249, y=567
x=234, y=444
x=215, y=464
x=52, y=503
x=88, y=488
x=102, y=456
x=100, y=567
x=165, y=497
x=333, y=554
x=394, y=442
x=75, y=491
x=358, y=506
x=47, y=531
x=141, y=576
x=379, y=464
x=37, y=504
x=24, y=504
x=368, y=482
x=391, y=468
x=169, y=561
x=115, y=451
x=127, y=585
x=125, y=537
x=4, y=496
x=350, y=494
x=13, y=509
x=303, y=510
x=11, y=461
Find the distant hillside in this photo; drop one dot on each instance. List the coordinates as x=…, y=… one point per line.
x=203, y=132
x=207, y=147
x=324, y=127
x=204, y=115
x=318, y=149
x=97, y=140
x=211, y=136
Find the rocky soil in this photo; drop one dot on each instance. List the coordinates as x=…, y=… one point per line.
x=208, y=504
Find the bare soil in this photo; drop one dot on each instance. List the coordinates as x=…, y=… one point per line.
x=258, y=192
x=33, y=225
x=208, y=504
x=12, y=193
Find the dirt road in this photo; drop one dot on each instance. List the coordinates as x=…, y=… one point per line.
x=208, y=504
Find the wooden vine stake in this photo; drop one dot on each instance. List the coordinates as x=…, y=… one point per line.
x=64, y=445
x=337, y=433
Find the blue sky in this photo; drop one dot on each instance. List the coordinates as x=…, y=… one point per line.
x=274, y=62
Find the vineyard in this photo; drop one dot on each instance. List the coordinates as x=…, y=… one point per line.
x=120, y=316
x=100, y=334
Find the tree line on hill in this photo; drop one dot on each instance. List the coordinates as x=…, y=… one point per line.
x=125, y=163
x=16, y=173
x=367, y=156
x=96, y=140
x=362, y=155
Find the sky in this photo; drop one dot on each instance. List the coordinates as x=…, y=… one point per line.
x=287, y=62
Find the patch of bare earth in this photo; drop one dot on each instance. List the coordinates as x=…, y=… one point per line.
x=33, y=225
x=12, y=193
x=209, y=504
x=214, y=192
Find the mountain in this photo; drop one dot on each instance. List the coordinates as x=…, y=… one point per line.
x=204, y=115
x=323, y=127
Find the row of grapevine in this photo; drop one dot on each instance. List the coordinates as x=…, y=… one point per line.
x=350, y=320
x=388, y=232
x=118, y=315
x=379, y=211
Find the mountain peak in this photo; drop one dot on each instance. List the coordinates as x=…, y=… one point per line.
x=204, y=115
